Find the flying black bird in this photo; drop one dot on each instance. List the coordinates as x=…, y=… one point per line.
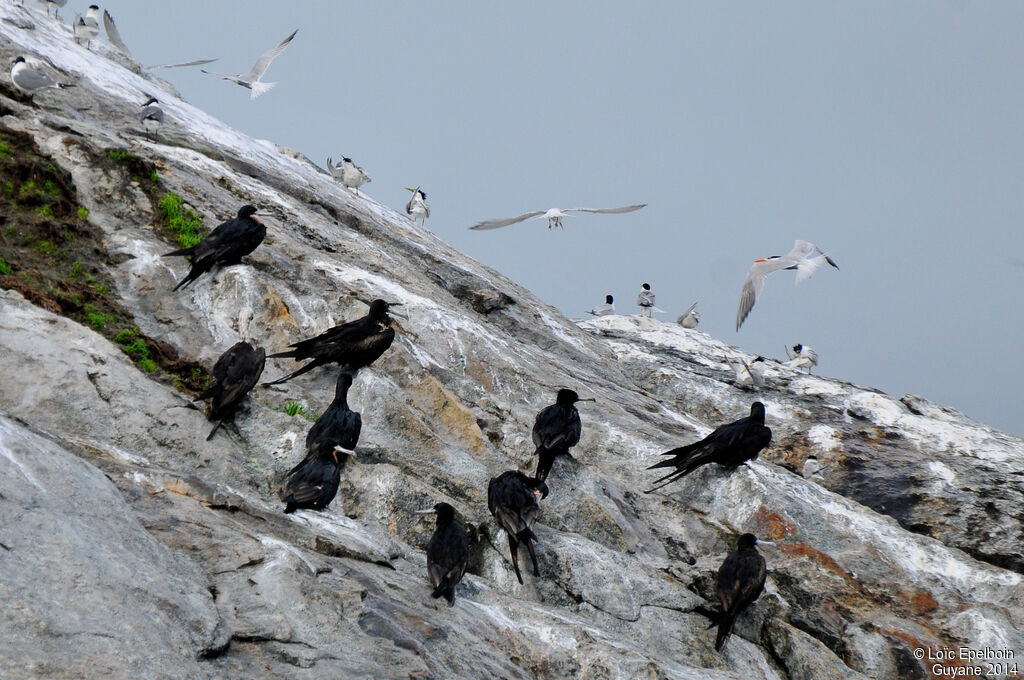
x=740, y=581
x=447, y=553
x=556, y=430
x=226, y=245
x=339, y=425
x=234, y=374
x=512, y=499
x=355, y=344
x=314, y=482
x=730, y=445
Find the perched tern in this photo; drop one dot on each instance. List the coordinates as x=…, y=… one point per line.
x=604, y=309
x=115, y=39
x=88, y=27
x=749, y=374
x=417, y=208
x=805, y=258
x=801, y=356
x=646, y=300
x=151, y=116
x=348, y=173
x=251, y=80
x=690, y=318
x=55, y=4
x=553, y=216
x=30, y=80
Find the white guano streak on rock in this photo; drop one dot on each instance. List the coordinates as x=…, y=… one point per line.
x=7, y=438
x=917, y=555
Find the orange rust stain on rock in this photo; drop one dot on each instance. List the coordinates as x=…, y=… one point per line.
x=772, y=525
x=923, y=603
x=826, y=561
x=277, y=310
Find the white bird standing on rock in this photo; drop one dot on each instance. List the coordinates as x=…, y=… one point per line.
x=417, y=208
x=55, y=4
x=805, y=258
x=801, y=356
x=348, y=173
x=251, y=80
x=645, y=299
x=553, y=216
x=690, y=318
x=88, y=27
x=152, y=117
x=30, y=80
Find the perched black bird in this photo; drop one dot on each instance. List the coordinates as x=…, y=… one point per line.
x=512, y=499
x=730, y=445
x=339, y=425
x=556, y=430
x=447, y=553
x=234, y=374
x=354, y=344
x=740, y=582
x=314, y=482
x=226, y=245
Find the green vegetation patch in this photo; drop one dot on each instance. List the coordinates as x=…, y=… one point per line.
x=52, y=255
x=294, y=408
x=183, y=224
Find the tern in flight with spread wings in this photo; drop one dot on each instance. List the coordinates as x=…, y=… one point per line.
x=554, y=216
x=117, y=41
x=251, y=79
x=805, y=258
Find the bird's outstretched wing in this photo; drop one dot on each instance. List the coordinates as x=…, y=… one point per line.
x=197, y=62
x=505, y=221
x=113, y=35
x=754, y=283
x=610, y=211
x=260, y=67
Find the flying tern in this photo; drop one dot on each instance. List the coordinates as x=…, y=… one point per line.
x=117, y=41
x=417, y=208
x=251, y=80
x=348, y=173
x=553, y=216
x=805, y=258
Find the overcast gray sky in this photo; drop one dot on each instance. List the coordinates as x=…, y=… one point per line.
x=888, y=133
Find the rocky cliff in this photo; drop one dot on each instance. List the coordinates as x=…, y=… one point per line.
x=131, y=547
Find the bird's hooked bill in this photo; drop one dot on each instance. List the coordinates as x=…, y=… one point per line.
x=430, y=511
x=587, y=399
x=341, y=449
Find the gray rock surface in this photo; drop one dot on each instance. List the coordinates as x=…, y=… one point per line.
x=893, y=522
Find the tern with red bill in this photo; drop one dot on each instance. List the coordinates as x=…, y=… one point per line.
x=805, y=258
